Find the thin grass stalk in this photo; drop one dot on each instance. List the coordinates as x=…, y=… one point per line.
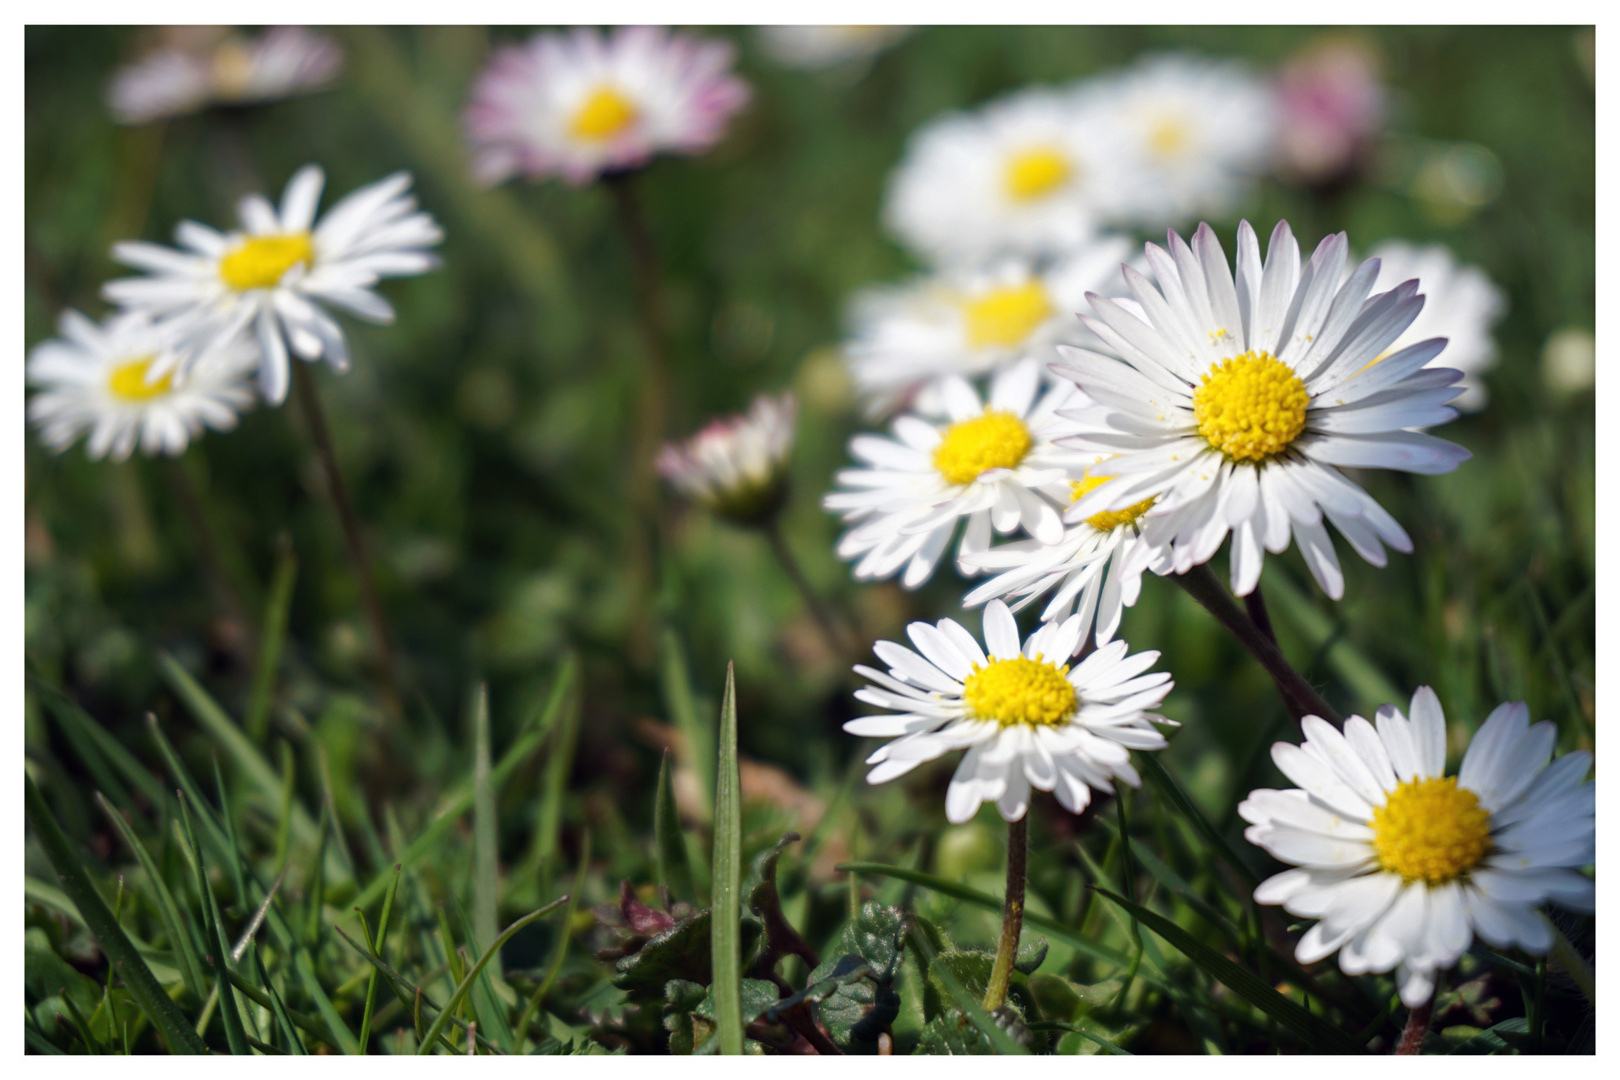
x=727, y=880
x=1012, y=914
x=841, y=641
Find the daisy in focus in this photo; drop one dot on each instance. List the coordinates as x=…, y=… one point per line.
x=201, y=66
x=736, y=467
x=1021, y=175
x=1096, y=569
x=581, y=104
x=1462, y=307
x=1404, y=865
x=818, y=47
x=971, y=321
x=1236, y=403
x=280, y=271
x=99, y=378
x=992, y=463
x=1191, y=136
x=1026, y=719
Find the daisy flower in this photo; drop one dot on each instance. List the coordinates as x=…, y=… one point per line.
x=736, y=467
x=1191, y=134
x=1236, y=403
x=1022, y=174
x=281, y=270
x=1098, y=565
x=1403, y=864
x=971, y=321
x=817, y=47
x=204, y=66
x=1330, y=108
x=993, y=464
x=1462, y=307
x=98, y=378
x=1025, y=718
x=582, y=104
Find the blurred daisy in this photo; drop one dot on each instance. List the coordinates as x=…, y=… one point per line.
x=736, y=467
x=1025, y=718
x=1236, y=403
x=818, y=47
x=1402, y=864
x=98, y=378
x=971, y=321
x=1098, y=565
x=1330, y=108
x=204, y=66
x=1023, y=174
x=279, y=271
x=1191, y=134
x=1462, y=307
x=583, y=104
x=993, y=464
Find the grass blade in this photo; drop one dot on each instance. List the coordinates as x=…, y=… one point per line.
x=168, y=911
x=68, y=711
x=295, y=1045
x=1172, y=790
x=271, y=638
x=726, y=870
x=484, y=1002
x=1058, y=1025
x=485, y=883
x=409, y=994
x=382, y=939
x=559, y=763
x=683, y=710
x=574, y=894
x=138, y=978
x=1316, y=1032
x=467, y=980
x=235, y=1033
x=669, y=847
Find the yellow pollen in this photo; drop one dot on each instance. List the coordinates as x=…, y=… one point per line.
x=1431, y=830
x=1008, y=315
x=1034, y=173
x=996, y=440
x=128, y=381
x=1021, y=691
x=1108, y=520
x=1251, y=407
x=1168, y=137
x=605, y=114
x=262, y=260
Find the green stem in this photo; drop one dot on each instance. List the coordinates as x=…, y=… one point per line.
x=840, y=640
x=1417, y=1027
x=1012, y=914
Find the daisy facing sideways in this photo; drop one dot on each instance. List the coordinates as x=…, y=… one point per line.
x=280, y=271
x=1026, y=719
x=1404, y=865
x=736, y=466
x=100, y=379
x=1235, y=403
x=993, y=464
x=580, y=104
x=198, y=66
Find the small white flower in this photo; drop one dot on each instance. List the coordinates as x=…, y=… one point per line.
x=582, y=104
x=1025, y=718
x=818, y=47
x=1236, y=403
x=1462, y=307
x=1192, y=134
x=1402, y=864
x=971, y=321
x=222, y=70
x=99, y=378
x=1022, y=175
x=992, y=464
x=278, y=271
x=736, y=466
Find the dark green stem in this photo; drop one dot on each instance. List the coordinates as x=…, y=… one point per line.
x=1417, y=1027
x=840, y=639
x=1012, y=914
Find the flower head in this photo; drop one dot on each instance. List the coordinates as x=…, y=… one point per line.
x=581, y=104
x=214, y=67
x=102, y=379
x=736, y=467
x=1403, y=864
x=992, y=463
x=1462, y=307
x=280, y=270
x=1026, y=718
x=827, y=46
x=1330, y=106
x=1235, y=403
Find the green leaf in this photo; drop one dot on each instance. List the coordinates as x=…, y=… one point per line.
x=1102, y=1043
x=681, y=952
x=559, y=763
x=971, y=969
x=412, y=997
x=272, y=636
x=235, y=1034
x=855, y=1005
x=726, y=872
x=179, y=939
x=1316, y=1032
x=68, y=712
x=377, y=947
x=142, y=984
x=427, y=1044
x=682, y=997
x=486, y=883
x=669, y=848
x=295, y=1045
x=948, y=1033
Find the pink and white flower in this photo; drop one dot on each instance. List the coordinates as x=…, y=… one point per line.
x=736, y=466
x=204, y=66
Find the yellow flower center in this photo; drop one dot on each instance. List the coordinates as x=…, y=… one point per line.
x=1108, y=520
x=1431, y=830
x=128, y=381
x=1168, y=137
x=1251, y=407
x=1008, y=315
x=605, y=114
x=1021, y=691
x=996, y=440
x=261, y=261
x=1034, y=173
